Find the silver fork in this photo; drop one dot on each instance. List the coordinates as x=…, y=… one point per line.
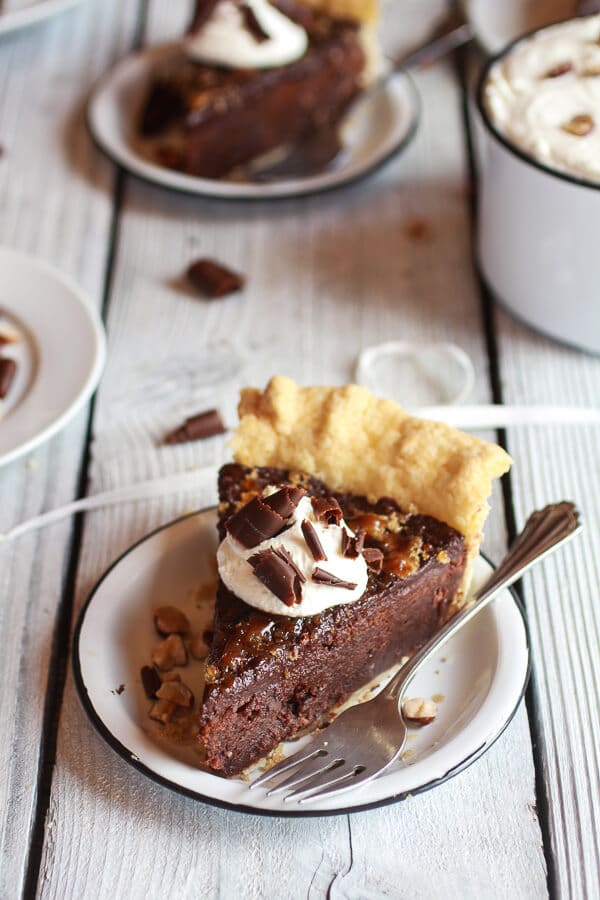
x=366, y=739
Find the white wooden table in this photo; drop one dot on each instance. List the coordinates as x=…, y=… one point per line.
x=329, y=275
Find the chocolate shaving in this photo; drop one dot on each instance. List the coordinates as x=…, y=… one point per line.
x=374, y=559
x=204, y=425
x=320, y=576
x=213, y=279
x=352, y=547
x=312, y=541
x=285, y=500
x=252, y=24
x=254, y=523
x=279, y=574
x=203, y=10
x=327, y=510
x=8, y=370
x=151, y=681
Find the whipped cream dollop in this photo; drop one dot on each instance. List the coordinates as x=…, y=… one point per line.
x=227, y=39
x=247, y=570
x=544, y=96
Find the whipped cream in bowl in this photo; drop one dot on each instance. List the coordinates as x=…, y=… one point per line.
x=288, y=554
x=543, y=95
x=249, y=35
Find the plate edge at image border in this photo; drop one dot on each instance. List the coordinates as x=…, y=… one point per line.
x=202, y=188
x=131, y=758
x=94, y=374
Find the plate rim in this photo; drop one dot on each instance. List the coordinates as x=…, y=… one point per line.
x=34, y=15
x=96, y=369
x=131, y=758
x=202, y=188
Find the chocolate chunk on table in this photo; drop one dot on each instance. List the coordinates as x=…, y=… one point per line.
x=8, y=370
x=203, y=425
x=213, y=279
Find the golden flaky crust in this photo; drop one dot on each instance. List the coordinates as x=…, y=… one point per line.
x=363, y=444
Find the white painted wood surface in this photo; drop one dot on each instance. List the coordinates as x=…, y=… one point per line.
x=56, y=201
x=333, y=274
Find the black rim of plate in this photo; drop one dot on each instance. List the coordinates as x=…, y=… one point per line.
x=496, y=133
x=206, y=194
x=130, y=757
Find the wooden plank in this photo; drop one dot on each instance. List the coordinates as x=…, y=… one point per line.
x=326, y=277
x=56, y=200
x=562, y=598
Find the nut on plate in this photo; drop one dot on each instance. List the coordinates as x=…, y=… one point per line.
x=162, y=711
x=169, y=653
x=170, y=620
x=419, y=711
x=176, y=692
x=580, y=126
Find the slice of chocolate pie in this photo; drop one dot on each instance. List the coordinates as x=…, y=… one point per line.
x=255, y=75
x=348, y=531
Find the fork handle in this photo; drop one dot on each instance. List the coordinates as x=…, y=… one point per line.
x=545, y=531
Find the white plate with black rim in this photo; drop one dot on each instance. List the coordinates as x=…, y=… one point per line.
x=479, y=678
x=59, y=355
x=17, y=14
x=380, y=126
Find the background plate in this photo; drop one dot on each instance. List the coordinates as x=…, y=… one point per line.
x=481, y=674
x=379, y=126
x=29, y=12
x=60, y=358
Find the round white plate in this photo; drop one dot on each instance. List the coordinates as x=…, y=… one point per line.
x=60, y=356
x=29, y=12
x=379, y=126
x=481, y=674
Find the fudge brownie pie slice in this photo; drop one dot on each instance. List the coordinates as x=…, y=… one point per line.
x=255, y=75
x=348, y=529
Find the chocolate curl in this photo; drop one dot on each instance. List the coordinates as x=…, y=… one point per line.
x=320, y=576
x=312, y=541
x=203, y=10
x=374, y=559
x=204, y=425
x=327, y=510
x=254, y=523
x=151, y=681
x=352, y=547
x=252, y=25
x=213, y=279
x=277, y=571
x=285, y=500
x=8, y=370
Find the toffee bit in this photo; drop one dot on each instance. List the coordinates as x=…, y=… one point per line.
x=320, y=576
x=213, y=279
x=312, y=541
x=196, y=428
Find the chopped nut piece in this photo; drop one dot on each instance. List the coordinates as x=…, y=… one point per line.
x=170, y=620
x=176, y=692
x=198, y=646
x=213, y=279
x=580, y=126
x=591, y=72
x=151, y=681
x=419, y=711
x=560, y=69
x=170, y=652
x=162, y=711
